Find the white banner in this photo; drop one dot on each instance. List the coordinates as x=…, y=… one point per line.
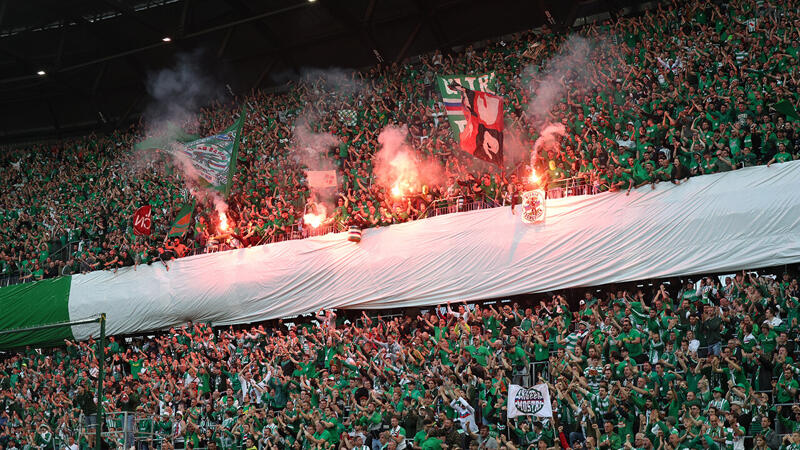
x=534, y=401
x=321, y=179
x=725, y=222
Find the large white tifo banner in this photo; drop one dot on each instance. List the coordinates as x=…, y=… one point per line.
x=533, y=401
x=723, y=222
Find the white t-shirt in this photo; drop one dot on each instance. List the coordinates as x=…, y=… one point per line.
x=466, y=414
x=395, y=432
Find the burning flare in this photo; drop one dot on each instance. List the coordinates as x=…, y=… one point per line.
x=403, y=186
x=314, y=220
x=316, y=216
x=534, y=178
x=396, y=191
x=223, y=222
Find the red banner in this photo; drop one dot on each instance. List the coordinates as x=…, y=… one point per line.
x=483, y=134
x=142, y=221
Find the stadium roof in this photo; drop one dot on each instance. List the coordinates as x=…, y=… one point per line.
x=70, y=67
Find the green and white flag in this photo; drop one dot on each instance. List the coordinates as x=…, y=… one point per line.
x=452, y=99
x=212, y=157
x=348, y=117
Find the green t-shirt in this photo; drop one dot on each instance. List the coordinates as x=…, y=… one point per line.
x=634, y=349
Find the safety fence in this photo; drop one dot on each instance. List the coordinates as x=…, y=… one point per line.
x=299, y=230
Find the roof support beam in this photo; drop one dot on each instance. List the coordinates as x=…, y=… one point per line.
x=264, y=72
x=262, y=28
x=184, y=18
x=60, y=50
x=126, y=10
x=225, y=40
x=98, y=79
x=428, y=16
x=411, y=38
x=350, y=23
x=124, y=117
x=53, y=116
x=3, y=8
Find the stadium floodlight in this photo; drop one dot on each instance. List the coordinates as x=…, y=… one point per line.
x=41, y=73
x=166, y=39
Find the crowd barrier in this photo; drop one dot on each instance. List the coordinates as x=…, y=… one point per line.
x=556, y=189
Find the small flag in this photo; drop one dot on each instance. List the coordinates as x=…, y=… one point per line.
x=181, y=223
x=354, y=234
x=786, y=108
x=348, y=117
x=142, y=221
x=534, y=401
x=321, y=179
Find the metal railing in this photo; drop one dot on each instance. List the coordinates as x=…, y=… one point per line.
x=556, y=189
x=456, y=205
x=569, y=187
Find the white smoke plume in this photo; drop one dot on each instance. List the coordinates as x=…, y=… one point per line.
x=569, y=69
x=549, y=139
x=178, y=92
x=334, y=80
x=310, y=148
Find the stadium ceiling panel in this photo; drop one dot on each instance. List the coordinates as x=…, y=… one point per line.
x=96, y=54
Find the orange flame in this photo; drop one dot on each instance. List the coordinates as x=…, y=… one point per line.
x=223, y=221
x=534, y=178
x=314, y=220
x=316, y=216
x=396, y=191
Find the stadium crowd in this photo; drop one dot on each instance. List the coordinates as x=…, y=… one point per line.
x=696, y=365
x=681, y=90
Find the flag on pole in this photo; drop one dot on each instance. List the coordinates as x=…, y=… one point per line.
x=534, y=401
x=212, y=157
x=451, y=98
x=482, y=137
x=142, y=221
x=786, y=108
x=181, y=223
x=475, y=114
x=321, y=179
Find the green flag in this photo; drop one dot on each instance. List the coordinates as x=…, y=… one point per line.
x=786, y=108
x=452, y=99
x=181, y=223
x=212, y=157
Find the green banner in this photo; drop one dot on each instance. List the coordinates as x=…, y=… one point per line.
x=182, y=220
x=31, y=304
x=452, y=99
